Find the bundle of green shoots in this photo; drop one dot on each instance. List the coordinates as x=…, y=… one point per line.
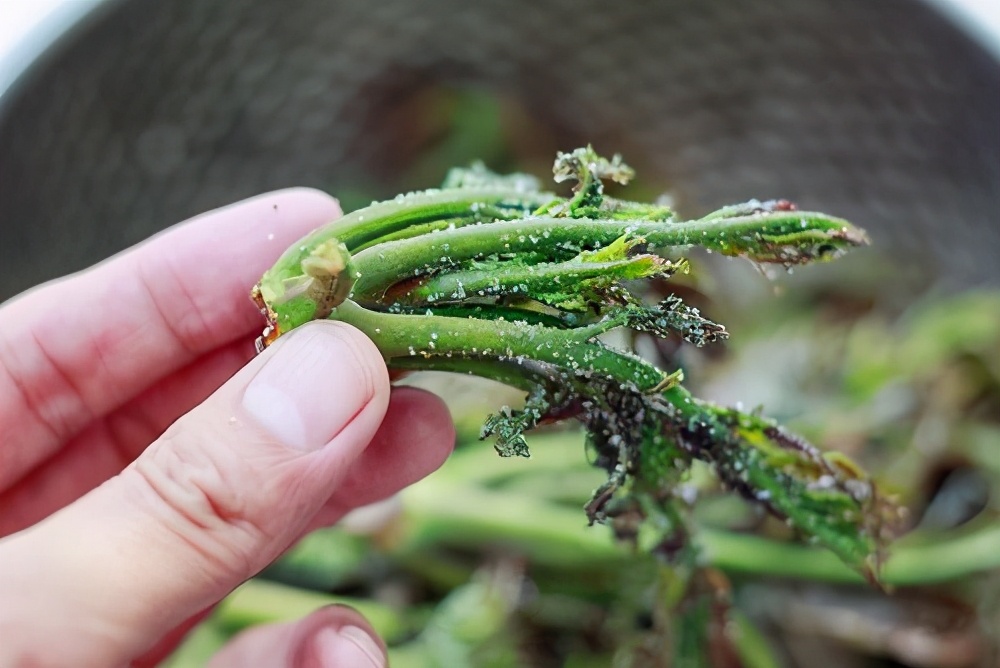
x=492, y=276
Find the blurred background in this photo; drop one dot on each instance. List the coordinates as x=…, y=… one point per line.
x=121, y=117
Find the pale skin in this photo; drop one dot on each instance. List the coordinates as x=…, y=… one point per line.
x=150, y=462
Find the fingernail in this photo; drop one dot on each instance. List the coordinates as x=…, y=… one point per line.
x=310, y=388
x=347, y=646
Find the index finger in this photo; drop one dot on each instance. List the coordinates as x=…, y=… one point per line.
x=77, y=348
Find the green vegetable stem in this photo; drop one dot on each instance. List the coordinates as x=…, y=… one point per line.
x=492, y=276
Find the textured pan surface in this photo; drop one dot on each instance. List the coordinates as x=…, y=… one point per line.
x=153, y=111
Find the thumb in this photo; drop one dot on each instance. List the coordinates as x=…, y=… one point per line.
x=221, y=494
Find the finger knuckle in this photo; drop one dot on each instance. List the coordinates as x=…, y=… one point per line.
x=209, y=498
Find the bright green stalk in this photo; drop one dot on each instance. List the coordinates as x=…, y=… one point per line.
x=549, y=534
x=542, y=281
x=782, y=237
x=408, y=211
x=434, y=337
x=260, y=602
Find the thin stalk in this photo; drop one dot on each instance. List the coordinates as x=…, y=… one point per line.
x=384, y=218
x=910, y=563
x=471, y=517
x=482, y=213
x=555, y=536
x=524, y=279
x=261, y=602
x=529, y=312
x=787, y=237
x=430, y=336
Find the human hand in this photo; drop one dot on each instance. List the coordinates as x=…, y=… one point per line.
x=148, y=485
